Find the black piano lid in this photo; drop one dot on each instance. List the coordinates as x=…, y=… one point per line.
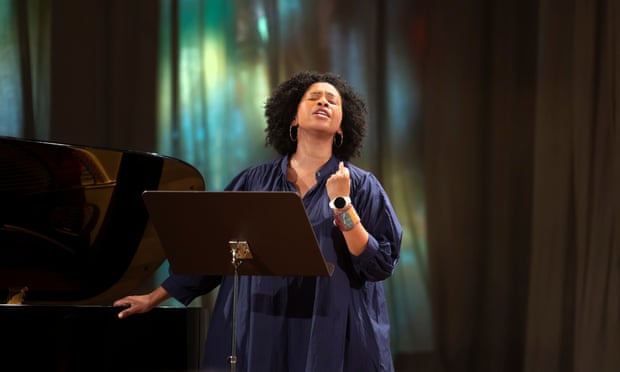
x=73, y=226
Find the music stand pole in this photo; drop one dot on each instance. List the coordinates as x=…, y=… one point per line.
x=240, y=250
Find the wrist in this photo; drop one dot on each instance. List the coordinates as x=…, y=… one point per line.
x=346, y=219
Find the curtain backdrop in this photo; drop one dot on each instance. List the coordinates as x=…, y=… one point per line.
x=522, y=171
x=493, y=126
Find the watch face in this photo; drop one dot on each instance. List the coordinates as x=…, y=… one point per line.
x=340, y=202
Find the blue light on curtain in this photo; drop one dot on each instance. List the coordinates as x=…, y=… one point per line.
x=222, y=84
x=11, y=121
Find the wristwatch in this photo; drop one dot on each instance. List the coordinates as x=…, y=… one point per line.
x=339, y=202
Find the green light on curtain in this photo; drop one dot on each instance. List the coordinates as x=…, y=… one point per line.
x=222, y=84
x=262, y=29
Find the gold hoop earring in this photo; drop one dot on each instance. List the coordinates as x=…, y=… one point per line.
x=336, y=143
x=290, y=133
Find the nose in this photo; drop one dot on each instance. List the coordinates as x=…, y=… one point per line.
x=322, y=101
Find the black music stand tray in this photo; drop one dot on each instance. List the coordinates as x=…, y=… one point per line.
x=235, y=233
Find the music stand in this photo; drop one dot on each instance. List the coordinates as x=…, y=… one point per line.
x=235, y=233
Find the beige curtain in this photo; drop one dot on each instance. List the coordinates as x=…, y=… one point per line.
x=523, y=167
x=573, y=312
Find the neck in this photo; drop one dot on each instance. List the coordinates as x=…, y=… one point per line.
x=310, y=157
x=313, y=149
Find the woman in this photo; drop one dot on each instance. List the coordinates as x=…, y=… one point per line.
x=316, y=122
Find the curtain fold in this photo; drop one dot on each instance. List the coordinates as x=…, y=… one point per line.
x=574, y=305
x=25, y=48
x=597, y=325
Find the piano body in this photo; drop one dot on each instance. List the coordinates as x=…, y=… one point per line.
x=74, y=237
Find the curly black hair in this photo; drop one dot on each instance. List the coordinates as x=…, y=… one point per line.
x=281, y=108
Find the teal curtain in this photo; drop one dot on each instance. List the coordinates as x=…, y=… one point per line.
x=24, y=68
x=219, y=61
x=10, y=80
x=211, y=88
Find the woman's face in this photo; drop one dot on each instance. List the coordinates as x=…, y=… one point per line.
x=320, y=109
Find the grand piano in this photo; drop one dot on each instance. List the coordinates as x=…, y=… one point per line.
x=74, y=237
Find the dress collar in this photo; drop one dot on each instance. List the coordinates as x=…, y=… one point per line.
x=326, y=170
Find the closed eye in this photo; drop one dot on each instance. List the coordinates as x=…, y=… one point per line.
x=331, y=98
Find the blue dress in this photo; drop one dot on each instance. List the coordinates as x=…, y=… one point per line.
x=337, y=323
